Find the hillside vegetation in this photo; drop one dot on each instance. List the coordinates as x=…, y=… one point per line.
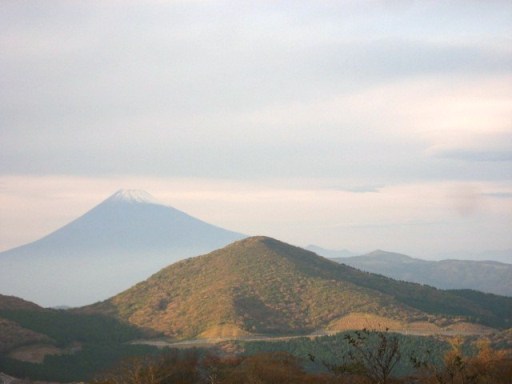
x=261, y=285
x=361, y=357
x=11, y=303
x=48, y=344
x=13, y=334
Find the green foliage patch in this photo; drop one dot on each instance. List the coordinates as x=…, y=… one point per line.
x=80, y=366
x=103, y=341
x=66, y=327
x=329, y=350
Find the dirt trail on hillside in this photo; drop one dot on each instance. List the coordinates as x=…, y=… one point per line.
x=208, y=342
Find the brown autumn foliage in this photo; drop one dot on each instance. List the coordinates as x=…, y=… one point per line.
x=15, y=303
x=276, y=367
x=13, y=335
x=487, y=367
x=257, y=285
x=262, y=286
x=169, y=368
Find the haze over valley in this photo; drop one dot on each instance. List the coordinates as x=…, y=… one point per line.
x=486, y=276
x=131, y=235
x=128, y=267
x=121, y=241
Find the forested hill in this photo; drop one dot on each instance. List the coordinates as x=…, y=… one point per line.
x=262, y=285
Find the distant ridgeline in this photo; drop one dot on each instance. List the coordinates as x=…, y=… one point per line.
x=486, y=276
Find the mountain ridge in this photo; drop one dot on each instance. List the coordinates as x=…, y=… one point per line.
x=486, y=276
x=260, y=285
x=122, y=219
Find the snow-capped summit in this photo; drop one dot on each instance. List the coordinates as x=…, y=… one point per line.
x=134, y=196
x=121, y=241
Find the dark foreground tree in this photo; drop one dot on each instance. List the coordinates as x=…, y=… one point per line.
x=371, y=359
x=378, y=351
x=188, y=368
x=373, y=354
x=171, y=367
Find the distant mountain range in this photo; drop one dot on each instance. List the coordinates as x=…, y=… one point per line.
x=502, y=256
x=121, y=241
x=260, y=285
x=485, y=276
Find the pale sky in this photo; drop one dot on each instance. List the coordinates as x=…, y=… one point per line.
x=345, y=124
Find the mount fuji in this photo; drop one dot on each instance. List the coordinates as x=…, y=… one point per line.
x=118, y=243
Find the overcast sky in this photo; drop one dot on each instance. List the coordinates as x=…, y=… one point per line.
x=346, y=124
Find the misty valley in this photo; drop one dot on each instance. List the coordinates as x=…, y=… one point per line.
x=211, y=304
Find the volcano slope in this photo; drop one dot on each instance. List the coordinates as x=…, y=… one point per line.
x=260, y=285
x=121, y=241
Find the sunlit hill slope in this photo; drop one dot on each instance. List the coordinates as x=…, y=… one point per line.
x=262, y=285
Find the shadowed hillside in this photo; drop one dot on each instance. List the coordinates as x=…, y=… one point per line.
x=13, y=334
x=57, y=345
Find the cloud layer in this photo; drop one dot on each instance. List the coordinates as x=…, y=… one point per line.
x=351, y=96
